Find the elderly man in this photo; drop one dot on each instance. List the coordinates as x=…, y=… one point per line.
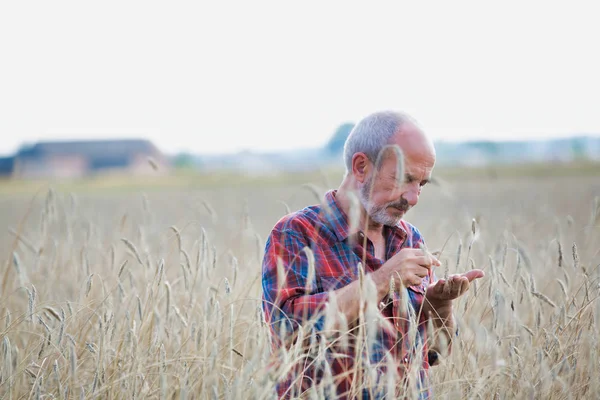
x=357, y=232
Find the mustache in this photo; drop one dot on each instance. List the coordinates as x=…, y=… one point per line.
x=401, y=205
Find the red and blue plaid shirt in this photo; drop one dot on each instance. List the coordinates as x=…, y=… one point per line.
x=337, y=255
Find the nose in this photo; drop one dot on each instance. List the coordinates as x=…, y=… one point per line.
x=412, y=196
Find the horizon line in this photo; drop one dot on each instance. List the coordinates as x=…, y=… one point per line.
x=24, y=144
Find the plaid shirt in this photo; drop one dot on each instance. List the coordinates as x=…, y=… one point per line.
x=337, y=254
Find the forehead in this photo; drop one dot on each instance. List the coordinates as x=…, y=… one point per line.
x=419, y=169
x=417, y=148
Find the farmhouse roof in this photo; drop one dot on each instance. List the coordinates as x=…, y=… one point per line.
x=90, y=148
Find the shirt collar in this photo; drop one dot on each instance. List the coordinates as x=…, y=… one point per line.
x=337, y=220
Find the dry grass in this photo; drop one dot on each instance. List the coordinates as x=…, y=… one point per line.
x=125, y=295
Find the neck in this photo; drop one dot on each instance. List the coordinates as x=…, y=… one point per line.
x=367, y=225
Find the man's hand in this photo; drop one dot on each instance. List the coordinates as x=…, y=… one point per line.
x=444, y=291
x=408, y=267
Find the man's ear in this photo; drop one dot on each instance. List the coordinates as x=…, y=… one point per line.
x=361, y=166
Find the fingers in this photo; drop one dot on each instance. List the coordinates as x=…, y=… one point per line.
x=414, y=281
x=425, y=261
x=412, y=265
x=473, y=274
x=447, y=290
x=459, y=282
x=410, y=279
x=421, y=256
x=421, y=272
x=455, y=286
x=440, y=287
x=464, y=286
x=415, y=277
x=437, y=288
x=431, y=260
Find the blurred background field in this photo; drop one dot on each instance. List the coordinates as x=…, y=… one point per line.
x=100, y=254
x=194, y=194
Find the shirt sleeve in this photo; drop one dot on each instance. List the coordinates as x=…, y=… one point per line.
x=297, y=300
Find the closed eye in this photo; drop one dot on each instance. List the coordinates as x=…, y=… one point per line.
x=410, y=179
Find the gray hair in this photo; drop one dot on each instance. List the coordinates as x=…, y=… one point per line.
x=372, y=134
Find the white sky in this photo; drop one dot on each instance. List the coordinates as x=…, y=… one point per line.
x=224, y=76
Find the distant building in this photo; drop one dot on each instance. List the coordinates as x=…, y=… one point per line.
x=75, y=159
x=6, y=166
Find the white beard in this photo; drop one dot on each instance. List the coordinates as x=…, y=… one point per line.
x=376, y=213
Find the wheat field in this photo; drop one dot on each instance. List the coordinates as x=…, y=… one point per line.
x=153, y=292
